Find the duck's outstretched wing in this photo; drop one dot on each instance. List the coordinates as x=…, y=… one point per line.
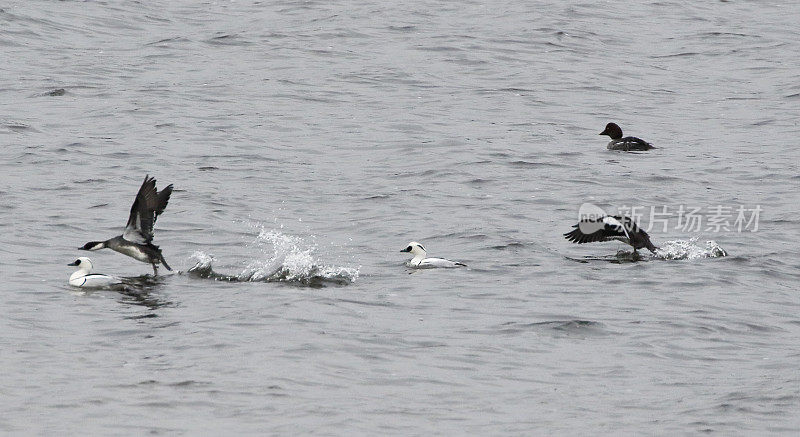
x=149, y=204
x=163, y=199
x=602, y=229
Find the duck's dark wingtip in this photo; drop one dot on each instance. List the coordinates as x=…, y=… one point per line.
x=573, y=235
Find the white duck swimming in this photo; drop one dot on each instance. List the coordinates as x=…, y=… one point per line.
x=421, y=261
x=83, y=277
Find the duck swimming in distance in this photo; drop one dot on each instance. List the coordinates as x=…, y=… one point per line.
x=421, y=261
x=608, y=228
x=84, y=278
x=137, y=239
x=627, y=144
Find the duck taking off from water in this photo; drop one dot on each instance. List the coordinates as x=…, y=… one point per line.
x=137, y=239
x=421, y=261
x=627, y=144
x=608, y=228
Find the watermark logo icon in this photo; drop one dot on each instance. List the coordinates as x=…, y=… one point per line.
x=589, y=218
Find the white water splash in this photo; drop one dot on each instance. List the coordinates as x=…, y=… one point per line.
x=286, y=258
x=203, y=260
x=683, y=249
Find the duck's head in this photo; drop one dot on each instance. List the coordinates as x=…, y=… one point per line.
x=82, y=262
x=613, y=131
x=93, y=245
x=415, y=249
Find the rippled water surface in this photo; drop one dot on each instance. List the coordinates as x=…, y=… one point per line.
x=310, y=141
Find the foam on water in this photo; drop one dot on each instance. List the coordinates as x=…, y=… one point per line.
x=671, y=250
x=286, y=258
x=690, y=249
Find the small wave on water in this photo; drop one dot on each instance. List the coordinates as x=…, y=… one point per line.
x=556, y=328
x=286, y=258
x=566, y=327
x=690, y=249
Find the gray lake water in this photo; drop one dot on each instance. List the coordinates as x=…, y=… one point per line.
x=310, y=141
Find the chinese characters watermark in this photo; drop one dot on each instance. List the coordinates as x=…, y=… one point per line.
x=686, y=218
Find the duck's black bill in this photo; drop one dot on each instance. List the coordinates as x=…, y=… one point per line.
x=405, y=250
x=73, y=263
